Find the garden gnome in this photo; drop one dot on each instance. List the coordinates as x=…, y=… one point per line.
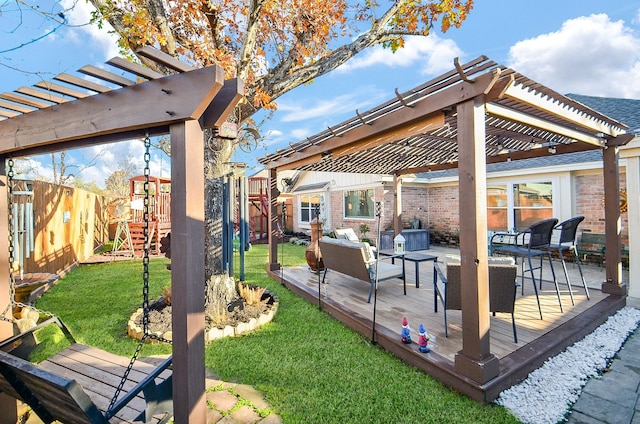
x=406, y=331
x=423, y=339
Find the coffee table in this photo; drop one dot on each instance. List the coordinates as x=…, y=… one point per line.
x=414, y=257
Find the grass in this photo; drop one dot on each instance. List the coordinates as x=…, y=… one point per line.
x=309, y=366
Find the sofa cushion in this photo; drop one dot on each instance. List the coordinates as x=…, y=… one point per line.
x=347, y=234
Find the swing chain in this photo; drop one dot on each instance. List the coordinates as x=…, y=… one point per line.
x=125, y=376
x=12, y=288
x=11, y=247
x=145, y=230
x=145, y=279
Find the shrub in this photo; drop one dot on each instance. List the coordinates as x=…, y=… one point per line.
x=252, y=295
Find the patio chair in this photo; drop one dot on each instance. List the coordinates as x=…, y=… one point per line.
x=503, y=273
x=567, y=243
x=529, y=244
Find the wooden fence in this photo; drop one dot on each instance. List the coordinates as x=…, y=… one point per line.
x=68, y=225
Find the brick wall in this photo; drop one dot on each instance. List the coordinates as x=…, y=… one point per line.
x=444, y=214
x=437, y=208
x=589, y=203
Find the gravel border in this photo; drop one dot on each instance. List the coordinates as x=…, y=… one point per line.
x=547, y=394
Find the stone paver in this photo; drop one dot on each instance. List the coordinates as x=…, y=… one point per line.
x=222, y=400
x=602, y=410
x=613, y=397
x=625, y=394
x=245, y=415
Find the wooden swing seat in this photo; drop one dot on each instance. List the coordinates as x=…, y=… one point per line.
x=76, y=385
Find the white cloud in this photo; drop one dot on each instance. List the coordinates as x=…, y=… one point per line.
x=271, y=138
x=432, y=54
x=300, y=133
x=97, y=163
x=589, y=55
x=326, y=108
x=100, y=39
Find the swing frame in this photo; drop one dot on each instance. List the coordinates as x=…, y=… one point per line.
x=181, y=105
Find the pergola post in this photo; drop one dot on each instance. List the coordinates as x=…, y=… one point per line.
x=273, y=264
x=8, y=405
x=188, y=268
x=397, y=204
x=475, y=359
x=613, y=259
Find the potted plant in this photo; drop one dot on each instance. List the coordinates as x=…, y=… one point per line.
x=364, y=229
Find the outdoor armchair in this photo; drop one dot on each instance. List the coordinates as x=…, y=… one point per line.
x=503, y=273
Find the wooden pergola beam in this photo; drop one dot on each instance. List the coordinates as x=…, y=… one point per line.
x=475, y=360
x=175, y=98
x=217, y=112
x=400, y=121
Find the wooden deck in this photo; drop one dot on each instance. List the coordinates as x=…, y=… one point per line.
x=346, y=299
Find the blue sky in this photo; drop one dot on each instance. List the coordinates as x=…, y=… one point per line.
x=587, y=47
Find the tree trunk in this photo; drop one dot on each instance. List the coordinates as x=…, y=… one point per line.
x=220, y=289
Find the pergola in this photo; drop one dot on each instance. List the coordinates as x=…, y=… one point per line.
x=477, y=113
x=133, y=102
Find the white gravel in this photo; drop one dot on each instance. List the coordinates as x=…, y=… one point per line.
x=546, y=395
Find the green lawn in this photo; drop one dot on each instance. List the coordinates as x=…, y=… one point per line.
x=309, y=366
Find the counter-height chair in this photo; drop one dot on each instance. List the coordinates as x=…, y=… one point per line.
x=533, y=243
x=567, y=243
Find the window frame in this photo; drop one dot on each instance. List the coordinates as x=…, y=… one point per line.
x=309, y=208
x=370, y=193
x=511, y=206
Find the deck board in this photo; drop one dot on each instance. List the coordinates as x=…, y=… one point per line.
x=418, y=307
x=346, y=297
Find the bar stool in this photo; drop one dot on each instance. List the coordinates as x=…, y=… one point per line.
x=567, y=242
x=531, y=243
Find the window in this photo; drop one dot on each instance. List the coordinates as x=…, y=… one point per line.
x=532, y=202
x=308, y=205
x=358, y=204
x=497, y=208
x=518, y=205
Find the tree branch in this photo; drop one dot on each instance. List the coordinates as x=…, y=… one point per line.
x=249, y=42
x=282, y=79
x=158, y=13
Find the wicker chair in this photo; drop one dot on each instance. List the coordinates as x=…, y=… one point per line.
x=502, y=288
x=567, y=243
x=531, y=243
